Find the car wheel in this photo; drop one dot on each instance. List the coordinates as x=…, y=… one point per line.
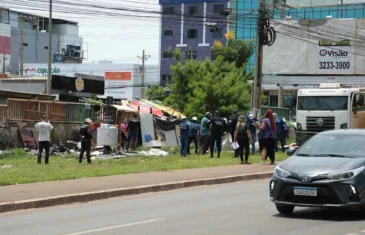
x=285, y=209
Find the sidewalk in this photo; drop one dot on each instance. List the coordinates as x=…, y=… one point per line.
x=112, y=186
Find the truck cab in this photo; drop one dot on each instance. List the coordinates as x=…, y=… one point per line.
x=328, y=107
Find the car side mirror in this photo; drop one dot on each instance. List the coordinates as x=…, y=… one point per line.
x=290, y=152
x=354, y=110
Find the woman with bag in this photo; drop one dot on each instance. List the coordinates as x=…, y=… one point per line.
x=267, y=137
x=243, y=137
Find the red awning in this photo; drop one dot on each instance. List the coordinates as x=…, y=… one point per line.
x=145, y=109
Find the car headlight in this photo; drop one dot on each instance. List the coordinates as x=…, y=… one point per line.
x=346, y=174
x=280, y=173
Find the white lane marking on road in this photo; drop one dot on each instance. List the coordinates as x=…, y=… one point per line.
x=117, y=226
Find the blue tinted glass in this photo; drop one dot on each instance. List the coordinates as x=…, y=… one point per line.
x=324, y=12
x=359, y=7
x=300, y=13
x=349, y=13
x=359, y=13
x=308, y=13
x=334, y=13
x=316, y=14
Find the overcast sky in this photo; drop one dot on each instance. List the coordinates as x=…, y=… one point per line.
x=118, y=38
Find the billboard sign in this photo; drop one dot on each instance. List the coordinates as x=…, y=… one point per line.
x=316, y=47
x=118, y=76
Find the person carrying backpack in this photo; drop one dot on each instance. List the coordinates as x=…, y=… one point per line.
x=243, y=137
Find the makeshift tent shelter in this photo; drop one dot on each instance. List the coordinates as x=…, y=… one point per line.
x=163, y=108
x=142, y=108
x=124, y=112
x=166, y=131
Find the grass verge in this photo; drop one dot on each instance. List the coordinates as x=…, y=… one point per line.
x=25, y=170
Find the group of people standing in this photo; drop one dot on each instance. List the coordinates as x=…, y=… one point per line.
x=244, y=130
x=205, y=136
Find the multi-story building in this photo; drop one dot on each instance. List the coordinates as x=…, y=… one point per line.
x=24, y=39
x=245, y=28
x=185, y=24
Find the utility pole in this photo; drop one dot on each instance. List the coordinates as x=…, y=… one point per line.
x=21, y=46
x=256, y=104
x=144, y=59
x=281, y=89
x=49, y=49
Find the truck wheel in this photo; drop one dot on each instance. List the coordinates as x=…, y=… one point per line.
x=285, y=209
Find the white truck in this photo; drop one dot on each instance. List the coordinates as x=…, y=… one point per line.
x=327, y=108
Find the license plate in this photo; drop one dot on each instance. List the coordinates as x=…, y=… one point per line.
x=305, y=191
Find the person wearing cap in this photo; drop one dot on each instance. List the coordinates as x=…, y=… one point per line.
x=280, y=132
x=251, y=120
x=184, y=136
x=217, y=128
x=195, y=128
x=232, y=128
x=204, y=133
x=133, y=128
x=86, y=140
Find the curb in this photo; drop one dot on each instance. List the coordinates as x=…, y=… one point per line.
x=105, y=194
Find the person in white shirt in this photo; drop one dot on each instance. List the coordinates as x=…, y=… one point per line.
x=44, y=138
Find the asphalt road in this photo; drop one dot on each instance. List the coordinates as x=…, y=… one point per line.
x=241, y=208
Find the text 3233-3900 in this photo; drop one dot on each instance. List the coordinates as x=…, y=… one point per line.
x=334, y=65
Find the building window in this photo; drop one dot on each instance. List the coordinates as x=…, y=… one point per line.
x=166, y=55
x=193, y=10
x=168, y=33
x=191, y=55
x=25, y=44
x=217, y=9
x=169, y=10
x=218, y=34
x=192, y=33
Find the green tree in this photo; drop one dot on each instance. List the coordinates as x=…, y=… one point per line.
x=236, y=50
x=200, y=86
x=221, y=84
x=156, y=92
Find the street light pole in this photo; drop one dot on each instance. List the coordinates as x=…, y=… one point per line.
x=49, y=49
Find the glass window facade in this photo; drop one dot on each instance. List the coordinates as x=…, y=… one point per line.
x=246, y=14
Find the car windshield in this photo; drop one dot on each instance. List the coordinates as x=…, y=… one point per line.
x=346, y=145
x=323, y=103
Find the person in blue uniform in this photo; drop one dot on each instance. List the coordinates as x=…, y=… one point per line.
x=195, y=128
x=280, y=133
x=184, y=136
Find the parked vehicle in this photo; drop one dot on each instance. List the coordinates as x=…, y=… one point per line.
x=326, y=171
x=328, y=108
